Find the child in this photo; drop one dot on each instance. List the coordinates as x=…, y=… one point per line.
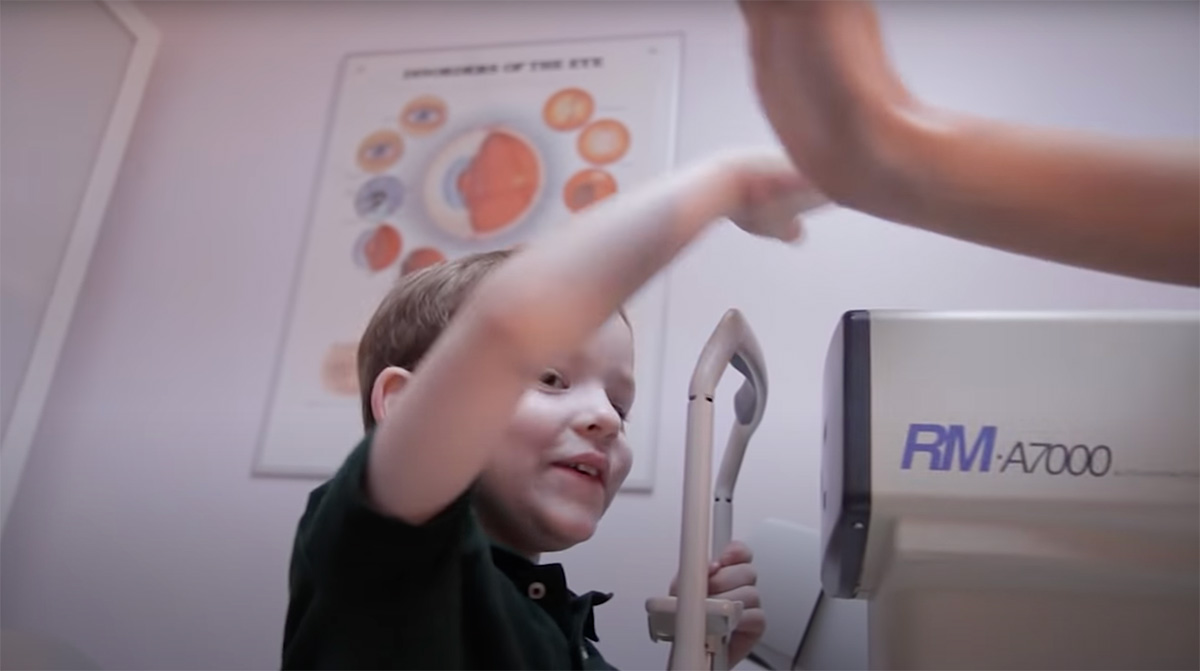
x=824, y=80
x=494, y=394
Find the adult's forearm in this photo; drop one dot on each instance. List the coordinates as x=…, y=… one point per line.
x=1124, y=207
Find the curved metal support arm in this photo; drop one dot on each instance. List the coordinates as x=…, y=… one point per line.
x=731, y=344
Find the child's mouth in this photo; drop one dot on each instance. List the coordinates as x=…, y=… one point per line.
x=582, y=471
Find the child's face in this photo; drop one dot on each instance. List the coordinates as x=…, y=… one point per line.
x=565, y=455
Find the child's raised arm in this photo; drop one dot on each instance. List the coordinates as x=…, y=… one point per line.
x=546, y=301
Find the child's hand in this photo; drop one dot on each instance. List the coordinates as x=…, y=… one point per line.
x=733, y=577
x=771, y=194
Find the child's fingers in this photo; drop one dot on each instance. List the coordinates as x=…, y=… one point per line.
x=735, y=555
x=713, y=567
x=747, y=594
x=730, y=578
x=736, y=552
x=753, y=622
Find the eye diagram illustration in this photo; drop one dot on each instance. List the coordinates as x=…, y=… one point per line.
x=568, y=109
x=587, y=187
x=380, y=150
x=422, y=257
x=378, y=248
x=604, y=141
x=379, y=198
x=339, y=369
x=475, y=182
x=423, y=115
x=484, y=182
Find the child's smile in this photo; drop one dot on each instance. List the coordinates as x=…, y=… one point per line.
x=565, y=455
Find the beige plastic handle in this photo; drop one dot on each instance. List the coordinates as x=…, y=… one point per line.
x=731, y=344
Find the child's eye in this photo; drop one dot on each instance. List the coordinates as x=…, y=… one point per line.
x=553, y=380
x=621, y=412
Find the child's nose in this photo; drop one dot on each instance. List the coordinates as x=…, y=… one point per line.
x=597, y=420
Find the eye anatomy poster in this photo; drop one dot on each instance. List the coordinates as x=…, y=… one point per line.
x=433, y=155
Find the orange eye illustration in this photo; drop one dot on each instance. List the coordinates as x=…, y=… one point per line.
x=422, y=257
x=568, y=109
x=339, y=369
x=378, y=248
x=604, y=141
x=380, y=150
x=424, y=115
x=587, y=187
x=484, y=182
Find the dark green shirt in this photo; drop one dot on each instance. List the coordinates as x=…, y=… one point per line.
x=368, y=591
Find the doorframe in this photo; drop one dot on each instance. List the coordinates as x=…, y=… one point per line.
x=56, y=319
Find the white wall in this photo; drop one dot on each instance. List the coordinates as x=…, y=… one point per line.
x=139, y=534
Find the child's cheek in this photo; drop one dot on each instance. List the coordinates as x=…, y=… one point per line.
x=622, y=463
x=537, y=422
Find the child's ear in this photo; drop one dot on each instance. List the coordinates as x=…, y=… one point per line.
x=388, y=385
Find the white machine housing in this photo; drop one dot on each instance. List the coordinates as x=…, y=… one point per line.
x=1016, y=490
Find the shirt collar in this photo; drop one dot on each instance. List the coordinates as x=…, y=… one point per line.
x=546, y=584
